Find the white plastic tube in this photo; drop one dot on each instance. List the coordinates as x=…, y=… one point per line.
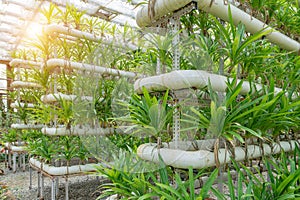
x=23, y=84
x=202, y=158
x=253, y=25
x=59, y=171
x=218, y=9
x=27, y=126
x=182, y=79
x=51, y=98
x=26, y=64
x=52, y=63
x=22, y=105
x=161, y=8
x=14, y=148
x=77, y=130
x=80, y=34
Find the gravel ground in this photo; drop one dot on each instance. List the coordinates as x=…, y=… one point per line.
x=80, y=187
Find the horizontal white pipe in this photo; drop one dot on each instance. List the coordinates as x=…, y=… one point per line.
x=59, y=171
x=182, y=79
x=51, y=63
x=218, y=9
x=16, y=143
x=29, y=4
x=27, y=126
x=161, y=8
x=14, y=148
x=26, y=64
x=23, y=84
x=17, y=148
x=85, y=35
x=78, y=130
x=51, y=98
x=202, y=158
x=22, y=105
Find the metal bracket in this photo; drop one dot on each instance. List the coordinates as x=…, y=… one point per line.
x=164, y=21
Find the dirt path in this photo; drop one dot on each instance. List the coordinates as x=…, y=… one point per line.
x=80, y=188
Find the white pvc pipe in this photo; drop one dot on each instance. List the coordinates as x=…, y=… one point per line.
x=85, y=35
x=202, y=159
x=51, y=63
x=26, y=64
x=253, y=25
x=161, y=8
x=218, y=9
x=23, y=84
x=14, y=148
x=182, y=79
x=27, y=126
x=78, y=130
x=51, y=98
x=22, y=105
x=59, y=171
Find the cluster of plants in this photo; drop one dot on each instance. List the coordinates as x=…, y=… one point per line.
x=14, y=136
x=232, y=119
x=59, y=150
x=280, y=181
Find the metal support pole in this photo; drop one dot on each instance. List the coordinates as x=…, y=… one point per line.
x=19, y=156
x=67, y=188
x=39, y=184
x=14, y=162
x=175, y=23
x=42, y=186
x=30, y=177
x=158, y=68
x=24, y=162
x=56, y=187
x=6, y=159
x=9, y=159
x=53, y=187
x=176, y=124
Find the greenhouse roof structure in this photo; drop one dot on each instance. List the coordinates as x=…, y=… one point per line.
x=19, y=18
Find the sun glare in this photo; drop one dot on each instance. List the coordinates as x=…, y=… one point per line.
x=34, y=30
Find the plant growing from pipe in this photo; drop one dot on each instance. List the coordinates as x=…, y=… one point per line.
x=149, y=116
x=234, y=43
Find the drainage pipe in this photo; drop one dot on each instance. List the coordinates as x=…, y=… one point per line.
x=52, y=63
x=202, y=158
x=218, y=9
x=181, y=79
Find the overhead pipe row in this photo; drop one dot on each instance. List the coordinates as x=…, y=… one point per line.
x=55, y=28
x=218, y=9
x=52, y=63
